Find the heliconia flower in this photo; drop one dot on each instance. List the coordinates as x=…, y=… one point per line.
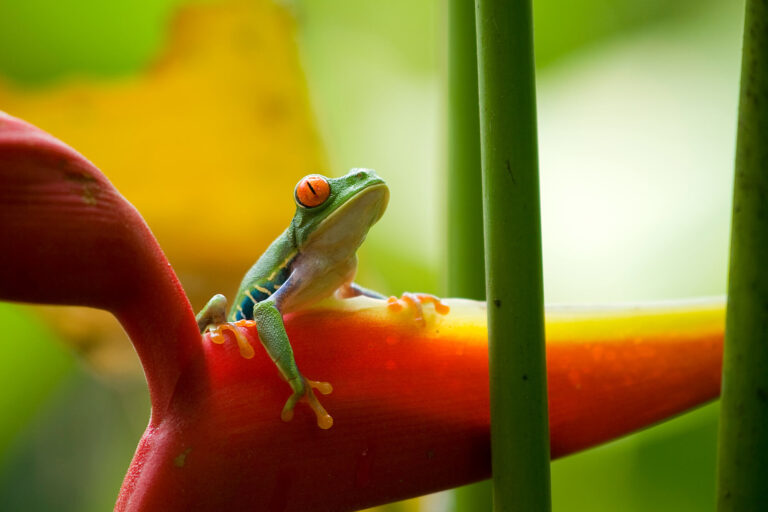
x=410, y=400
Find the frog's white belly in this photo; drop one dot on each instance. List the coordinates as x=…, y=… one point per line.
x=326, y=258
x=313, y=279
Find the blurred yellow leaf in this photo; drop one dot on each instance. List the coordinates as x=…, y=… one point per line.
x=209, y=142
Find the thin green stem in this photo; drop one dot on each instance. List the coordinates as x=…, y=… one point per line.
x=743, y=441
x=512, y=219
x=466, y=263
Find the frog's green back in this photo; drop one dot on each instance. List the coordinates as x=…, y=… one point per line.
x=269, y=272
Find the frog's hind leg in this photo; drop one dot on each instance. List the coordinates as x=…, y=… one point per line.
x=353, y=289
x=272, y=334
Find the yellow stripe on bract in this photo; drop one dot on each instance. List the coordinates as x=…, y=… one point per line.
x=686, y=319
x=248, y=294
x=683, y=319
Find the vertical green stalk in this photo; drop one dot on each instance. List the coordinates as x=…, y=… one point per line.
x=512, y=219
x=466, y=264
x=743, y=441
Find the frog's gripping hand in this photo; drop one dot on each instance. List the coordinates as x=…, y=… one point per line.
x=213, y=317
x=269, y=322
x=213, y=313
x=415, y=302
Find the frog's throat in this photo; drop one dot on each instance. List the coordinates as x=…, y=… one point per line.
x=342, y=214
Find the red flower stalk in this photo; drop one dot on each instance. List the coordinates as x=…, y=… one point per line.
x=410, y=400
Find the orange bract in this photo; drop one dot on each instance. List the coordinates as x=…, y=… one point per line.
x=312, y=191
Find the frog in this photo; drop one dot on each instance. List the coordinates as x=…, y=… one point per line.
x=313, y=259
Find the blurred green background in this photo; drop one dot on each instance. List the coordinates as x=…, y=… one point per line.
x=637, y=116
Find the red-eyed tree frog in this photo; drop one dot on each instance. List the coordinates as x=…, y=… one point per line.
x=310, y=261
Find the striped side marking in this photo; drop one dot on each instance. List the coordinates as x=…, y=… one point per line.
x=282, y=265
x=262, y=290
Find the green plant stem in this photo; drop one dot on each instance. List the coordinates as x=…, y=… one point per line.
x=512, y=219
x=466, y=264
x=466, y=261
x=743, y=440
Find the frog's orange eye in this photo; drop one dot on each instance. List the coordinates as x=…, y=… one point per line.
x=312, y=191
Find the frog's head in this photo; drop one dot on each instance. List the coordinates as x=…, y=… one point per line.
x=337, y=212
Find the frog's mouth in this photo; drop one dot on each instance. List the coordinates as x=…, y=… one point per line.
x=347, y=226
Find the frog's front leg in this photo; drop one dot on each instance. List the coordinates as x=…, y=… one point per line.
x=213, y=313
x=213, y=316
x=353, y=289
x=269, y=322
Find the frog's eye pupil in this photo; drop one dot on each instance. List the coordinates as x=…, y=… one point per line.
x=312, y=191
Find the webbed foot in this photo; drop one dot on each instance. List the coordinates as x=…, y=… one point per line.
x=216, y=334
x=416, y=301
x=302, y=390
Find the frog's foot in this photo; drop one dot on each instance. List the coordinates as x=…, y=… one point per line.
x=216, y=334
x=302, y=390
x=416, y=301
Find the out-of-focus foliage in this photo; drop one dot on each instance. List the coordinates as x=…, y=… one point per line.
x=564, y=28
x=28, y=348
x=44, y=40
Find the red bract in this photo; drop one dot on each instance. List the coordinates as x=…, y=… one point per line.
x=410, y=400
x=71, y=238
